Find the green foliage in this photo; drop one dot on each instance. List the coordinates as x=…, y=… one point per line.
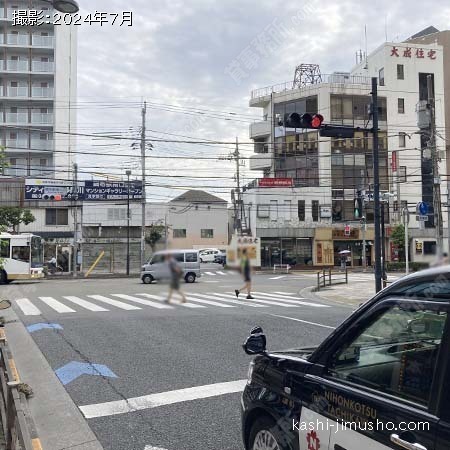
x=3, y=161
x=398, y=239
x=154, y=235
x=12, y=217
x=401, y=266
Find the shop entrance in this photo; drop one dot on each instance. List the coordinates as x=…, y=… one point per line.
x=354, y=258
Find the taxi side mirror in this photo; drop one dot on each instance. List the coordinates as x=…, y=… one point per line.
x=256, y=342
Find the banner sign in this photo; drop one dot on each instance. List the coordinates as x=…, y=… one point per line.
x=60, y=190
x=275, y=182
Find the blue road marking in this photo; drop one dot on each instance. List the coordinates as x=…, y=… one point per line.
x=44, y=326
x=75, y=369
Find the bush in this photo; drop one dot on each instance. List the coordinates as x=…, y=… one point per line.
x=401, y=266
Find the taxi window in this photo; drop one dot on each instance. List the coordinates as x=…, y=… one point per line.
x=435, y=288
x=179, y=257
x=191, y=257
x=396, y=354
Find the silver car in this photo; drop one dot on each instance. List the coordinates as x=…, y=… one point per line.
x=158, y=269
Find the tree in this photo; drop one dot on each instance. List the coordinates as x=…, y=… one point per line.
x=154, y=235
x=398, y=239
x=12, y=217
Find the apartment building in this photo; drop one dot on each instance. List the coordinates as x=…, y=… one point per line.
x=303, y=210
x=38, y=80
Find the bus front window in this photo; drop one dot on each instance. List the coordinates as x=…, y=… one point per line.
x=37, y=252
x=21, y=254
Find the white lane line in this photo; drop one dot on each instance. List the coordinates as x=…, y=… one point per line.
x=211, y=281
x=83, y=303
x=130, y=298
x=234, y=302
x=208, y=302
x=305, y=321
x=57, y=306
x=221, y=273
x=289, y=300
x=112, y=302
x=210, y=273
x=278, y=278
x=161, y=399
x=27, y=307
x=161, y=298
x=265, y=302
x=284, y=293
x=149, y=447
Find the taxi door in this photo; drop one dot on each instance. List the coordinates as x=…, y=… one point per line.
x=378, y=385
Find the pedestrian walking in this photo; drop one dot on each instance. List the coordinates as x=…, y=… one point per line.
x=246, y=271
x=175, y=276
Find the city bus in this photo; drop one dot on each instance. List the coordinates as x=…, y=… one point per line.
x=21, y=257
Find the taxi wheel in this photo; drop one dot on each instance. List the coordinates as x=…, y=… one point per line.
x=266, y=435
x=147, y=279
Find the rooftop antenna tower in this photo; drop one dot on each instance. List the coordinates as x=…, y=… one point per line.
x=306, y=74
x=366, y=65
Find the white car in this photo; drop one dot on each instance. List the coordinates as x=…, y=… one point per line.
x=209, y=255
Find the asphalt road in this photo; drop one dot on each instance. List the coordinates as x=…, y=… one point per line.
x=152, y=351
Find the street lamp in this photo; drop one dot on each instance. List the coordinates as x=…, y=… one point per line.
x=128, y=173
x=64, y=6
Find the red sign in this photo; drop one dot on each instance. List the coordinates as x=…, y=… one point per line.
x=407, y=52
x=347, y=230
x=394, y=161
x=276, y=182
x=313, y=441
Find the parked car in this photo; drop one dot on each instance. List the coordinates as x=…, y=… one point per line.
x=209, y=255
x=221, y=258
x=157, y=268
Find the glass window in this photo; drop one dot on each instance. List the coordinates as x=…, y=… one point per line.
x=402, y=177
x=37, y=254
x=4, y=248
x=395, y=354
x=381, y=77
x=179, y=257
x=179, y=233
x=429, y=248
x=301, y=210
x=207, y=233
x=401, y=106
x=274, y=210
x=21, y=253
x=191, y=257
x=402, y=140
x=315, y=210
x=157, y=259
x=54, y=216
x=400, y=72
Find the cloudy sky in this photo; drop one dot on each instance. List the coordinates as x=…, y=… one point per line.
x=195, y=63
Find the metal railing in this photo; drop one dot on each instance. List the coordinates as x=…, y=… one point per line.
x=18, y=427
x=327, y=277
x=325, y=79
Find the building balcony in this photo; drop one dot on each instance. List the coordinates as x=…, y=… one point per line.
x=42, y=92
x=41, y=144
x=42, y=66
x=20, y=118
x=260, y=161
x=21, y=91
x=17, y=66
x=43, y=41
x=260, y=129
x=42, y=119
x=17, y=143
x=17, y=39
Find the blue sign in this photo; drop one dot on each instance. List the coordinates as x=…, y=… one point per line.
x=107, y=190
x=43, y=326
x=75, y=369
x=422, y=208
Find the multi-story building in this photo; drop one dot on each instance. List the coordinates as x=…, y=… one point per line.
x=312, y=219
x=38, y=68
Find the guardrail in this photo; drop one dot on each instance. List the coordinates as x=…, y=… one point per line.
x=18, y=426
x=281, y=267
x=328, y=278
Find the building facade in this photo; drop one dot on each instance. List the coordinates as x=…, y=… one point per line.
x=38, y=83
x=304, y=208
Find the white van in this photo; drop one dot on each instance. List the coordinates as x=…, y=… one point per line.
x=157, y=268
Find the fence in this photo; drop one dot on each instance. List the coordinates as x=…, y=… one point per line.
x=327, y=278
x=18, y=427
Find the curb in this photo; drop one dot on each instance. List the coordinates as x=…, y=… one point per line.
x=311, y=294
x=59, y=423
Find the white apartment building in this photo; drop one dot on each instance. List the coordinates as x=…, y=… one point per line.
x=307, y=221
x=38, y=83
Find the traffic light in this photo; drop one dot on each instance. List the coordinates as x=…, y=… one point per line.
x=296, y=120
x=52, y=197
x=337, y=132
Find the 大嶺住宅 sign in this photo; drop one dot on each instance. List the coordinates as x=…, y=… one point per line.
x=275, y=182
x=413, y=52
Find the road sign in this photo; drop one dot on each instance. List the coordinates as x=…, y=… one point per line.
x=422, y=209
x=422, y=218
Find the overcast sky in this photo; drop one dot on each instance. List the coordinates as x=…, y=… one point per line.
x=209, y=55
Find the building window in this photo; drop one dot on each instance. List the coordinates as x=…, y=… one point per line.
x=315, y=210
x=301, y=210
x=400, y=72
x=402, y=140
x=179, y=233
x=287, y=210
x=401, y=106
x=117, y=214
x=402, y=178
x=43, y=162
x=207, y=233
x=274, y=210
x=381, y=77
x=263, y=211
x=54, y=216
x=429, y=248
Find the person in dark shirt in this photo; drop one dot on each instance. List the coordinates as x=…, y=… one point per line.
x=175, y=275
x=246, y=271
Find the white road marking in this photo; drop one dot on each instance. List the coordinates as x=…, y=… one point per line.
x=161, y=399
x=221, y=273
x=290, y=300
x=210, y=273
x=83, y=303
x=57, y=306
x=208, y=302
x=278, y=278
x=234, y=302
x=211, y=281
x=143, y=302
x=305, y=321
x=265, y=302
x=27, y=307
x=284, y=293
x=149, y=447
x=113, y=302
x=161, y=298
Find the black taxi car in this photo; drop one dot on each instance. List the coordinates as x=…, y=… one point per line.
x=381, y=380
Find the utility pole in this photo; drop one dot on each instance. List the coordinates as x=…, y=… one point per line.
x=240, y=205
x=143, y=137
x=436, y=178
x=405, y=215
x=376, y=185
x=128, y=173
x=75, y=221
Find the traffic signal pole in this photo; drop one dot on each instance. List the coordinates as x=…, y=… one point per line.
x=376, y=186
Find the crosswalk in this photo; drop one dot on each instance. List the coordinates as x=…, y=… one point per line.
x=218, y=273
x=96, y=303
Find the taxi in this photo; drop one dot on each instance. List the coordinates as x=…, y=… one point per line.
x=381, y=380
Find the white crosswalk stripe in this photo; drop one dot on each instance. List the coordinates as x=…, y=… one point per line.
x=265, y=302
x=221, y=273
x=112, y=302
x=290, y=299
x=85, y=304
x=27, y=307
x=56, y=305
x=212, y=274
x=208, y=302
x=234, y=302
x=278, y=278
x=284, y=293
x=143, y=302
x=162, y=298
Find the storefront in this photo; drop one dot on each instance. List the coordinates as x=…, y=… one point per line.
x=292, y=251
